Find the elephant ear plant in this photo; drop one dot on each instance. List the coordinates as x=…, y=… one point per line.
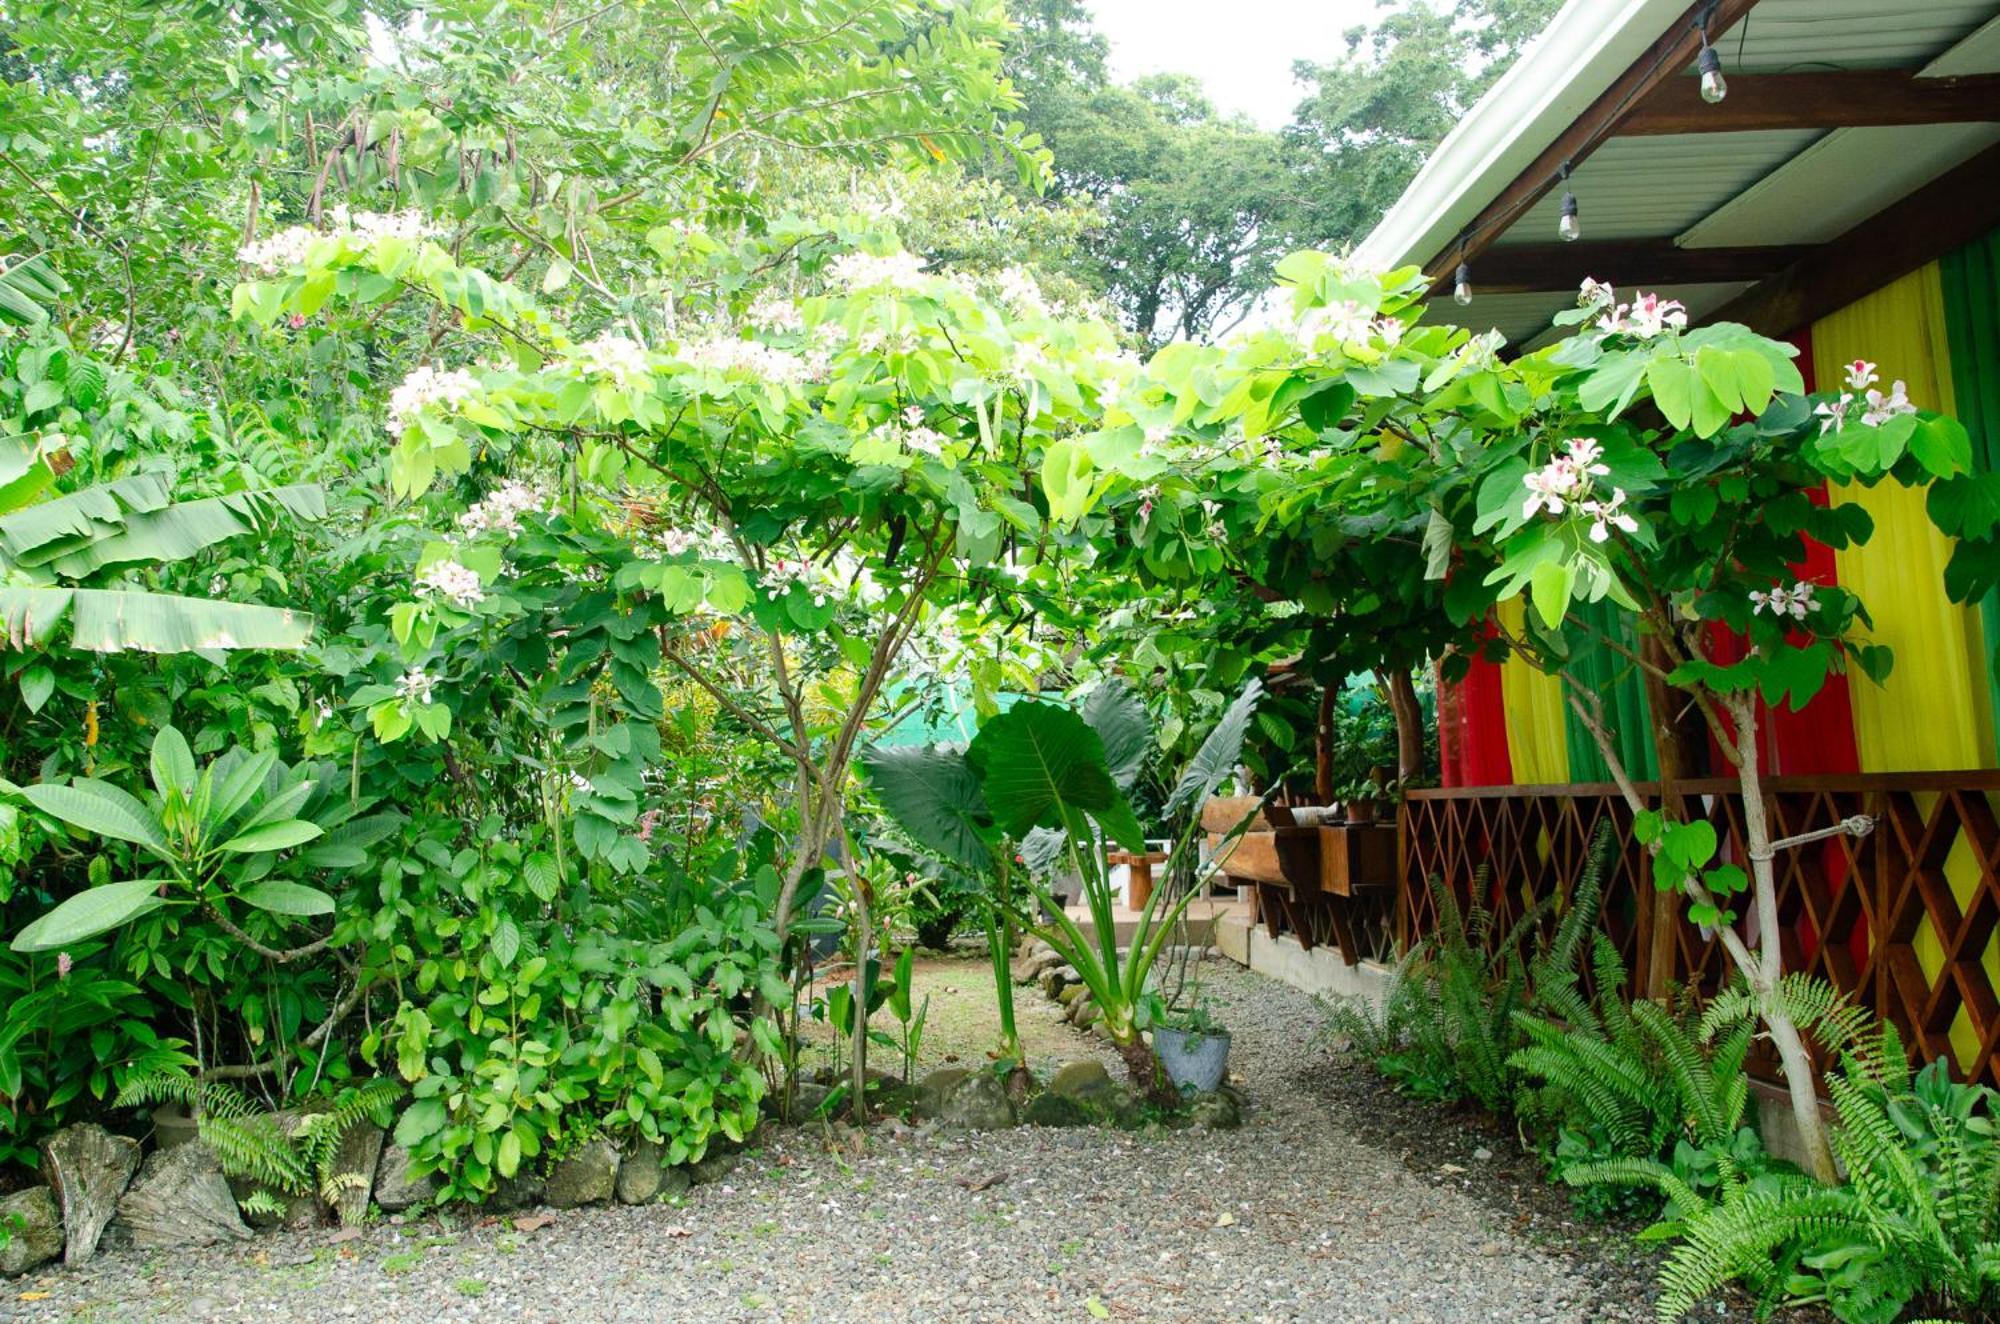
x=1051, y=783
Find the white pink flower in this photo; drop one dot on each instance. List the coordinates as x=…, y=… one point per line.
x=1565, y=478
x=458, y=584
x=415, y=685
x=1608, y=515
x=1832, y=414
x=426, y=388
x=501, y=510
x=611, y=355
x=1882, y=408
x=1645, y=317
x=864, y=271
x=773, y=312
x=1861, y=375
x=729, y=355
x=1795, y=602
x=1595, y=293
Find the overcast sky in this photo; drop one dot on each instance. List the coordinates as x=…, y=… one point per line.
x=1242, y=50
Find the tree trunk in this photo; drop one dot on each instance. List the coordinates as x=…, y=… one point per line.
x=1323, y=747
x=1409, y=724
x=864, y=932
x=1801, y=1081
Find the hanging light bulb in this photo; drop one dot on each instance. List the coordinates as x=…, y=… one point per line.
x=1714, y=87
x=1569, y=227
x=1461, y=289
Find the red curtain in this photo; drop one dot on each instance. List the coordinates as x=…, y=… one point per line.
x=1818, y=738
x=1472, y=729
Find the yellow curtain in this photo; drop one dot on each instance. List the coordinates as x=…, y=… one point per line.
x=1936, y=710
x=1537, y=739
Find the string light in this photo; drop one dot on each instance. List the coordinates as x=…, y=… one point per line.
x=1569, y=228
x=1461, y=288
x=1714, y=87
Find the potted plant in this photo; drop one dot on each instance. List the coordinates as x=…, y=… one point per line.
x=1193, y=1050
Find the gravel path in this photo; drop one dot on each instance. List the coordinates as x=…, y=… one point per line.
x=1292, y=1218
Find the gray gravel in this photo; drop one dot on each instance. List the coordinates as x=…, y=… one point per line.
x=1291, y=1218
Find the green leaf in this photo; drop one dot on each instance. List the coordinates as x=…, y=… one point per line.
x=173, y=764
x=1219, y=754
x=99, y=807
x=422, y=1120
x=281, y=835
x=283, y=898
x=1038, y=764
x=1123, y=724
x=933, y=794
x=37, y=684
x=87, y=914
x=506, y=941
x=539, y=872
x=1551, y=584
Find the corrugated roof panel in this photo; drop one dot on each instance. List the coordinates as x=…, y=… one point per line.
x=1839, y=182
x=1781, y=35
x=1524, y=318
x=1635, y=188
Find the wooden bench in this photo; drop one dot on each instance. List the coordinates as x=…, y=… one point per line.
x=1303, y=878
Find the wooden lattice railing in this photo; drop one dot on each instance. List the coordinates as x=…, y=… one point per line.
x=1904, y=919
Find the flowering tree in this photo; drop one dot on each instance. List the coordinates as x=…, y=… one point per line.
x=1685, y=517
x=1392, y=482
x=811, y=473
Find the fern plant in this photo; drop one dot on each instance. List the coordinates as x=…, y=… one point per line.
x=1444, y=1027
x=251, y=1145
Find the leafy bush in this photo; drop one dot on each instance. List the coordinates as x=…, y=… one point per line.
x=1449, y=1020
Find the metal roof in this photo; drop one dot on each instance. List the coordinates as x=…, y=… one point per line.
x=1726, y=190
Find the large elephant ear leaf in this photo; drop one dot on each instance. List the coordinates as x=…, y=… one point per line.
x=1218, y=756
x=1122, y=723
x=1042, y=766
x=933, y=795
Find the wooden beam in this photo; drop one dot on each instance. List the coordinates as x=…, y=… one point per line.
x=1821, y=99
x=1528, y=268
x=1670, y=54
x=1954, y=209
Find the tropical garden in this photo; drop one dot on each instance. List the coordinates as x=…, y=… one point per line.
x=548, y=548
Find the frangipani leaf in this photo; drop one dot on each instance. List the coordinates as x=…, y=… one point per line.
x=87, y=914
x=99, y=807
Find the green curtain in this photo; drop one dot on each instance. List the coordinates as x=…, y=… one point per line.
x=1971, y=280
x=1614, y=677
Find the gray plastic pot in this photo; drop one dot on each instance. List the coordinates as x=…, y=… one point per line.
x=1191, y=1061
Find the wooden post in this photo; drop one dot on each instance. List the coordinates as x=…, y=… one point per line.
x=1323, y=746
x=1675, y=748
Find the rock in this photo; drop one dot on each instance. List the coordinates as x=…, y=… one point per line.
x=639, y=1172
x=977, y=1103
x=1051, y=1109
x=1099, y=1027
x=1051, y=982
x=588, y=1174
x=296, y=1213
x=35, y=1222
x=354, y=1166
x=396, y=1189
x=523, y=1190
x=180, y=1199
x=936, y=1088
x=1082, y=1080
x=172, y=1126
x=1482, y=1153
x=1215, y=1111
x=674, y=1183
x=89, y=1168
x=1071, y=994
x=713, y=1168
x=1029, y=968
x=1085, y=1014
x=808, y=1100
